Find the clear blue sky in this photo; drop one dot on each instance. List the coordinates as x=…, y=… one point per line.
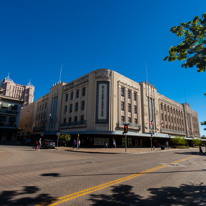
x=37, y=36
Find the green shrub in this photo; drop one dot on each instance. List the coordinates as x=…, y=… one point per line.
x=179, y=141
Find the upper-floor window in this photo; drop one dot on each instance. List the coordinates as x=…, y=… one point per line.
x=66, y=97
x=76, y=107
x=40, y=107
x=135, y=96
x=71, y=95
x=65, y=120
x=161, y=106
x=83, y=91
x=70, y=119
x=77, y=93
x=129, y=107
x=83, y=103
x=122, y=118
x=70, y=107
x=122, y=92
x=165, y=107
x=45, y=105
x=135, y=109
x=37, y=108
x=75, y=118
x=135, y=121
x=129, y=119
x=129, y=94
x=122, y=106
x=65, y=109
x=82, y=117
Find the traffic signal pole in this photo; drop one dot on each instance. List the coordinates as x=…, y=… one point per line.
x=125, y=142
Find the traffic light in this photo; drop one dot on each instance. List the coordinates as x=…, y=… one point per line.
x=125, y=128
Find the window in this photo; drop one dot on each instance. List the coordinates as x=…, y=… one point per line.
x=161, y=106
x=71, y=95
x=70, y=119
x=75, y=118
x=45, y=105
x=65, y=109
x=165, y=118
x=162, y=116
x=82, y=117
x=40, y=107
x=70, y=107
x=129, y=107
x=165, y=107
x=168, y=118
x=129, y=119
x=135, y=121
x=122, y=106
x=64, y=120
x=66, y=97
x=76, y=107
x=44, y=115
x=41, y=115
x=83, y=91
x=135, y=109
x=36, y=117
x=135, y=96
x=122, y=92
x=83, y=103
x=122, y=118
x=77, y=93
x=129, y=94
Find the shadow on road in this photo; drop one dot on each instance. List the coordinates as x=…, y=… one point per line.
x=123, y=195
x=188, y=153
x=23, y=197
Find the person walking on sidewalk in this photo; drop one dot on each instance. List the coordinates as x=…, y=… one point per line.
x=79, y=142
x=39, y=144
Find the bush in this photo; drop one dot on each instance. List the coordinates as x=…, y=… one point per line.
x=196, y=141
x=179, y=141
x=65, y=138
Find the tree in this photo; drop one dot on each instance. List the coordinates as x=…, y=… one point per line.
x=196, y=141
x=65, y=138
x=179, y=141
x=192, y=45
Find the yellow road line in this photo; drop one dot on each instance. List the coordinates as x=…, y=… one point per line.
x=108, y=184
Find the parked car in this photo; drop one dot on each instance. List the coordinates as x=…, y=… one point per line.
x=48, y=143
x=26, y=142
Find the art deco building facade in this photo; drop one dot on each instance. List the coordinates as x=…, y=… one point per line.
x=98, y=104
x=18, y=91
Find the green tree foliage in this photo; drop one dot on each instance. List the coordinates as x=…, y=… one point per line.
x=196, y=141
x=192, y=48
x=65, y=138
x=179, y=141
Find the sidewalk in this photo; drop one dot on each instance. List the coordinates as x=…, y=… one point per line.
x=116, y=150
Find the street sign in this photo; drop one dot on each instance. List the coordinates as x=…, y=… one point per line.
x=58, y=133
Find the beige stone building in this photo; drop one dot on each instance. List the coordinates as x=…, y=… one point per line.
x=98, y=104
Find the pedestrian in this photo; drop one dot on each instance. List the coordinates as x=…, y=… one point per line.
x=105, y=145
x=79, y=142
x=114, y=143
x=74, y=143
x=39, y=144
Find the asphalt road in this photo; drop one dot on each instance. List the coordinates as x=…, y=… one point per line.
x=57, y=177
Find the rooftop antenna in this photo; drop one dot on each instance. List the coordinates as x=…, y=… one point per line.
x=60, y=73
